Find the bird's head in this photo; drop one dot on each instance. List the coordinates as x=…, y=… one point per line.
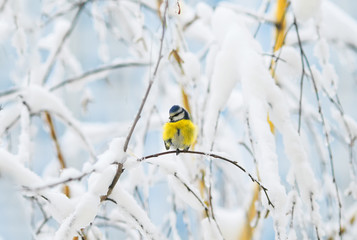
x=178, y=113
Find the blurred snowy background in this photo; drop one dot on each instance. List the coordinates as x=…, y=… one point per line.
x=269, y=84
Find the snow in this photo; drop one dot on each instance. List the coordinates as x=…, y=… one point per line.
x=190, y=196
x=352, y=124
x=5, y=30
x=39, y=99
x=98, y=182
x=230, y=221
x=224, y=76
x=289, y=65
x=129, y=21
x=330, y=79
x=59, y=206
x=259, y=90
x=336, y=25
x=19, y=41
x=114, y=154
x=11, y=167
x=191, y=66
x=25, y=141
x=306, y=9
x=210, y=230
x=134, y=214
x=204, y=12
x=48, y=42
x=99, y=26
x=329, y=75
x=223, y=62
x=224, y=20
x=322, y=51
x=319, y=80
x=8, y=116
x=82, y=216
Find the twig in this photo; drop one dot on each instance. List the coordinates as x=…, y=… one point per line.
x=63, y=40
x=3, y=5
x=66, y=121
x=303, y=71
x=235, y=163
x=114, y=182
x=327, y=138
x=54, y=138
x=44, y=214
x=138, y=115
x=59, y=14
x=280, y=24
x=267, y=4
x=245, y=146
x=352, y=138
x=97, y=70
x=70, y=179
x=210, y=176
x=251, y=151
x=60, y=157
x=77, y=130
x=192, y=192
x=248, y=13
x=272, y=55
x=312, y=210
x=9, y=92
x=274, y=63
x=141, y=200
x=328, y=147
x=291, y=226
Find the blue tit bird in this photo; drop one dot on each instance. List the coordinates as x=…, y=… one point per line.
x=179, y=132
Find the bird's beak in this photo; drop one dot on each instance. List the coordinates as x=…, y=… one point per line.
x=170, y=118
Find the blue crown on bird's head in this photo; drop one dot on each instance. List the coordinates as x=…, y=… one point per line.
x=176, y=111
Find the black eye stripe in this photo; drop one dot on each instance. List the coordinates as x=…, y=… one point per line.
x=177, y=114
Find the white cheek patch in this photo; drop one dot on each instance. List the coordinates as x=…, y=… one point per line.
x=178, y=117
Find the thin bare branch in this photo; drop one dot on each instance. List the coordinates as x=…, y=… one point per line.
x=54, y=138
x=303, y=71
x=77, y=130
x=60, y=157
x=2, y=7
x=138, y=115
x=59, y=14
x=8, y=92
x=266, y=7
x=210, y=176
x=118, y=173
x=54, y=184
x=327, y=137
x=101, y=69
x=235, y=163
x=248, y=13
x=312, y=210
x=62, y=42
x=192, y=192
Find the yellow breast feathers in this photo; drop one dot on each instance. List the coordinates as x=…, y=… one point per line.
x=179, y=135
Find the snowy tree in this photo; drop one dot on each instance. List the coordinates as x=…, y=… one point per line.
x=86, y=88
